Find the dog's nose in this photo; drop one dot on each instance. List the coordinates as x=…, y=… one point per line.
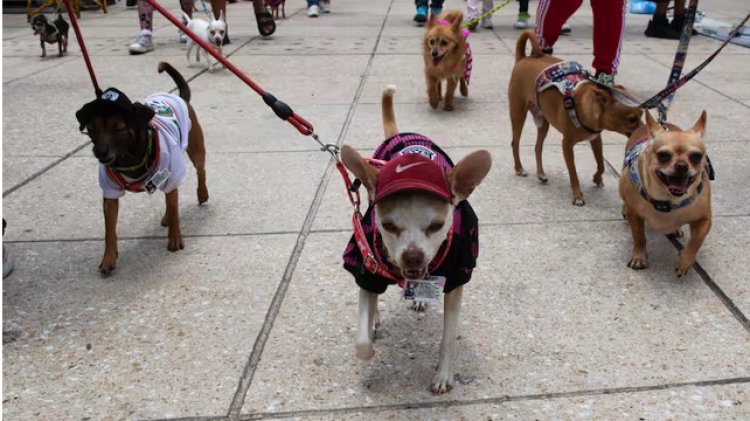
x=413, y=258
x=681, y=167
x=101, y=151
x=434, y=53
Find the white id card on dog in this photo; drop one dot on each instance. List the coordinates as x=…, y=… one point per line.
x=424, y=290
x=156, y=180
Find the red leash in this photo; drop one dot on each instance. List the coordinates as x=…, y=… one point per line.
x=282, y=110
x=85, y=52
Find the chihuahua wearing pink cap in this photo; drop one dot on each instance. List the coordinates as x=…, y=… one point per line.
x=418, y=226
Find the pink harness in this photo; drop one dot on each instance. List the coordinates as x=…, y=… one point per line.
x=469, y=59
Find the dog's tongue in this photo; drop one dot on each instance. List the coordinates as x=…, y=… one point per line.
x=678, y=187
x=436, y=61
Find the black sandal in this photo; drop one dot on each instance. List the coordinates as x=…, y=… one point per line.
x=265, y=20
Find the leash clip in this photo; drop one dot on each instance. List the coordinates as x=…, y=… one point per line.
x=326, y=147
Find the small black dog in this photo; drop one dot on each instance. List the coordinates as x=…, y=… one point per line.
x=55, y=32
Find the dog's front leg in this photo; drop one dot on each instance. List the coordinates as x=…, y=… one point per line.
x=570, y=162
x=450, y=91
x=433, y=90
x=44, y=49
x=59, y=47
x=173, y=221
x=698, y=232
x=443, y=380
x=368, y=312
x=638, y=259
x=109, y=261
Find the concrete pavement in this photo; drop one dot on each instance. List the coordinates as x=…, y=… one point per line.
x=256, y=317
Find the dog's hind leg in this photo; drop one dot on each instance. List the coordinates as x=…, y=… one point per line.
x=443, y=380
x=596, y=146
x=517, y=119
x=197, y=152
x=569, y=155
x=463, y=87
x=541, y=133
x=368, y=310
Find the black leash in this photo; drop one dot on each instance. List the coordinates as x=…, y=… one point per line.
x=657, y=99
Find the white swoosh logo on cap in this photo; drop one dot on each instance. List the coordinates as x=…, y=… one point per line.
x=400, y=169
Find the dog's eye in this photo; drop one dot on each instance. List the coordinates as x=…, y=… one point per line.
x=435, y=227
x=443, y=43
x=432, y=42
x=664, y=157
x=696, y=158
x=390, y=227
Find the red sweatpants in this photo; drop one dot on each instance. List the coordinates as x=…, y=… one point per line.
x=609, y=24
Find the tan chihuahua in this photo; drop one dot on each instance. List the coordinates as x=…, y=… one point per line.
x=420, y=223
x=444, y=52
x=581, y=115
x=665, y=183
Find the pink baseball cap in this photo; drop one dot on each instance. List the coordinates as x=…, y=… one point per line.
x=412, y=171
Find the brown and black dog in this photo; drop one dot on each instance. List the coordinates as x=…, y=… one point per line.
x=55, y=32
x=597, y=108
x=140, y=148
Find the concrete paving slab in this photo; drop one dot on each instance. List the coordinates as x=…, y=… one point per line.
x=725, y=258
x=237, y=205
x=638, y=327
x=162, y=338
x=716, y=403
x=18, y=169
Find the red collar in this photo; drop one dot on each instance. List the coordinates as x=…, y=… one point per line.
x=137, y=186
x=374, y=262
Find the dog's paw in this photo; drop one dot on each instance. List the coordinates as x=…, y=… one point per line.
x=364, y=351
x=108, y=264
x=598, y=181
x=448, y=107
x=418, y=306
x=521, y=172
x=542, y=178
x=202, y=195
x=175, y=244
x=578, y=201
x=164, y=220
x=638, y=261
x=683, y=265
x=441, y=383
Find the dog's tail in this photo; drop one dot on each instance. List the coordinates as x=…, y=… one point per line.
x=536, y=49
x=182, y=85
x=389, y=115
x=185, y=18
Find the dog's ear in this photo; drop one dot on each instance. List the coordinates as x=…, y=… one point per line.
x=84, y=115
x=700, y=126
x=361, y=169
x=456, y=24
x=653, y=127
x=468, y=173
x=430, y=20
x=603, y=96
x=142, y=114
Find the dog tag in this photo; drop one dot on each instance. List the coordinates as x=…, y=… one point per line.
x=156, y=180
x=424, y=290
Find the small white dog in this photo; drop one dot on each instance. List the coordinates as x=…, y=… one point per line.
x=212, y=32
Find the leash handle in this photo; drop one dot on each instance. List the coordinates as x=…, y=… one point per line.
x=476, y=20
x=282, y=110
x=82, y=44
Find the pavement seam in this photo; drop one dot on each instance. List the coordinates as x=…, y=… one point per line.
x=248, y=373
x=713, y=286
x=492, y=401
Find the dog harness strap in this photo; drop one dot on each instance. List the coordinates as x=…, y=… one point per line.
x=631, y=166
x=566, y=76
x=137, y=186
x=57, y=31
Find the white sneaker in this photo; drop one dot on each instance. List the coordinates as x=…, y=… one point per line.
x=183, y=38
x=325, y=7
x=487, y=23
x=142, y=44
x=523, y=21
x=7, y=263
x=566, y=28
x=313, y=11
